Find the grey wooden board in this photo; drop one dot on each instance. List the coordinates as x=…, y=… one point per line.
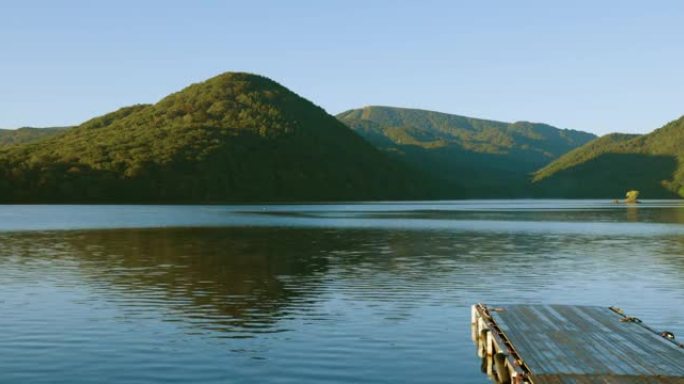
x=584, y=344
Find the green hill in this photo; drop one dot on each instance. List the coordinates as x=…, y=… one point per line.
x=235, y=137
x=27, y=135
x=582, y=154
x=612, y=164
x=471, y=157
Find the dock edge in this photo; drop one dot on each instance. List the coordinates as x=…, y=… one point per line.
x=499, y=357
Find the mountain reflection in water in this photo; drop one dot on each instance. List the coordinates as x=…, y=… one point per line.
x=376, y=293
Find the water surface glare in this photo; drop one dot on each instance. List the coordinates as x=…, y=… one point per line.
x=325, y=293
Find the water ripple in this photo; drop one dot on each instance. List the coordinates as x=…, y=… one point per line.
x=331, y=303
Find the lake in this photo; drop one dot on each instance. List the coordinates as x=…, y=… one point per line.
x=325, y=293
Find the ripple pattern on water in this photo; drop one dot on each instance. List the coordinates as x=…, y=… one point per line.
x=324, y=303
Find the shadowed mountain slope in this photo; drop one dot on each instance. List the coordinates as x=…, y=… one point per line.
x=472, y=157
x=235, y=137
x=612, y=164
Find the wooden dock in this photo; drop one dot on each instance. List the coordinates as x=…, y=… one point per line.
x=540, y=344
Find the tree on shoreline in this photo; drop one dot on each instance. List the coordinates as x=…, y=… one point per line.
x=631, y=196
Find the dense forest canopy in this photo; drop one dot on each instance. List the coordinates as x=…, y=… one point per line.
x=582, y=154
x=235, y=137
x=240, y=137
x=27, y=135
x=476, y=157
x=608, y=166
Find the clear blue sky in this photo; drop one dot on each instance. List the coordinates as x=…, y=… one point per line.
x=599, y=66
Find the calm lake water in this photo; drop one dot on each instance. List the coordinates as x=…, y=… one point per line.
x=373, y=293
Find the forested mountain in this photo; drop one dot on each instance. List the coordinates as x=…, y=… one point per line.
x=27, y=134
x=235, y=137
x=583, y=154
x=612, y=164
x=240, y=137
x=472, y=157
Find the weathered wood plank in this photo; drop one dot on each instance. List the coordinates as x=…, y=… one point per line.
x=583, y=344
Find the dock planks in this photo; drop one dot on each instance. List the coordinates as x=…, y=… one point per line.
x=576, y=344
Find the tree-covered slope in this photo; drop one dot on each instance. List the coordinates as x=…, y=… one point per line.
x=472, y=157
x=27, y=135
x=235, y=137
x=612, y=164
x=583, y=154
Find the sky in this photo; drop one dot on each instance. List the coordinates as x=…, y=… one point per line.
x=597, y=66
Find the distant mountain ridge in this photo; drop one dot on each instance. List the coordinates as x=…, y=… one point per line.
x=235, y=137
x=27, y=134
x=240, y=137
x=608, y=166
x=472, y=157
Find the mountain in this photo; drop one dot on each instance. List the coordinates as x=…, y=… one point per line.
x=615, y=163
x=471, y=157
x=27, y=135
x=235, y=137
x=582, y=154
